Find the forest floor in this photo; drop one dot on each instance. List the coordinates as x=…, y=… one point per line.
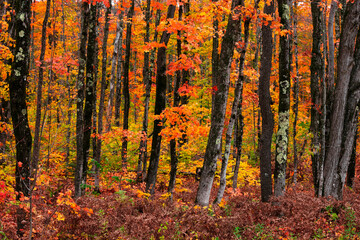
x=130, y=213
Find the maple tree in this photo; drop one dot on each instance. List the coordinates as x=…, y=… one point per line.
x=130, y=102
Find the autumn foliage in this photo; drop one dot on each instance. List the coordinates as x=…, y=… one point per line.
x=123, y=209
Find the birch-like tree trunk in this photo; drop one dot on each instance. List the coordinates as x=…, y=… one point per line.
x=114, y=62
x=118, y=71
x=234, y=112
x=221, y=89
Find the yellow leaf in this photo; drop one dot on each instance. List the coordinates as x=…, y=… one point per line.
x=60, y=216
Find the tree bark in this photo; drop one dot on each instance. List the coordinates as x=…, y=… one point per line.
x=221, y=89
x=90, y=92
x=126, y=91
x=265, y=107
x=147, y=85
x=118, y=72
x=234, y=111
x=80, y=100
x=36, y=149
x=282, y=136
x=334, y=162
x=173, y=153
x=296, y=96
x=350, y=122
x=315, y=85
x=352, y=164
x=102, y=99
x=160, y=101
x=18, y=81
x=239, y=131
x=114, y=62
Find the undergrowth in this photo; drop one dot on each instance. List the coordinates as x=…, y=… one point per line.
x=127, y=214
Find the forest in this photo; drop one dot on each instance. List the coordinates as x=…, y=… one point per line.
x=179, y=119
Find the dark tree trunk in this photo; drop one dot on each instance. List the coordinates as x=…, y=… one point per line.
x=36, y=150
x=146, y=107
x=176, y=103
x=90, y=92
x=238, y=139
x=221, y=89
x=80, y=100
x=234, y=112
x=126, y=91
x=342, y=126
x=296, y=96
x=147, y=84
x=185, y=73
x=315, y=85
x=352, y=164
x=102, y=99
x=282, y=136
x=18, y=81
x=160, y=102
x=265, y=108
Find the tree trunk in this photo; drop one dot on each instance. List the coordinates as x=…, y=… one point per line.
x=282, y=138
x=238, y=139
x=331, y=63
x=336, y=163
x=102, y=100
x=352, y=164
x=316, y=74
x=350, y=121
x=117, y=42
x=221, y=89
x=160, y=102
x=176, y=103
x=118, y=72
x=265, y=108
x=18, y=81
x=296, y=96
x=126, y=91
x=70, y=99
x=36, y=149
x=234, y=111
x=90, y=92
x=80, y=100
x=147, y=99
x=147, y=85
